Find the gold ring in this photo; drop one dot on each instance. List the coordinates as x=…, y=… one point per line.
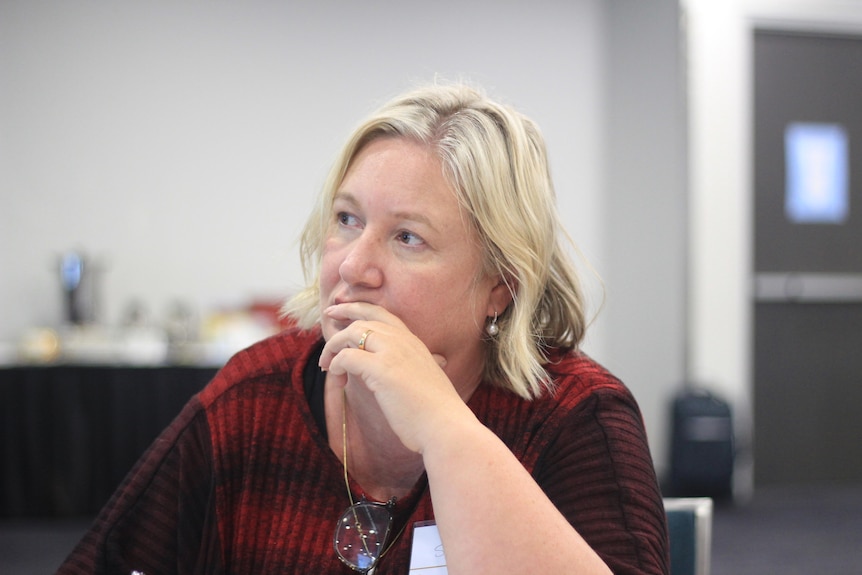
x=363, y=338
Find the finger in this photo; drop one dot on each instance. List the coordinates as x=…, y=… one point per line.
x=363, y=339
x=362, y=311
x=358, y=333
x=338, y=380
x=347, y=362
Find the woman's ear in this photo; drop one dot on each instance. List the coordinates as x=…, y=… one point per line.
x=501, y=296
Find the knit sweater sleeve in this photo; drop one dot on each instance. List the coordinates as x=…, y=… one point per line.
x=599, y=473
x=160, y=519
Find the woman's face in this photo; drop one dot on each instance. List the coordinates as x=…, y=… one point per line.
x=398, y=239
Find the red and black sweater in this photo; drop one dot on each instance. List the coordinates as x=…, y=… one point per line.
x=243, y=481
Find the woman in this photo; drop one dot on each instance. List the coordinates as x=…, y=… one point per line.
x=432, y=377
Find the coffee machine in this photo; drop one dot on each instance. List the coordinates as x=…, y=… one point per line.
x=78, y=282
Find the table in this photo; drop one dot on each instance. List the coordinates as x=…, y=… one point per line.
x=69, y=434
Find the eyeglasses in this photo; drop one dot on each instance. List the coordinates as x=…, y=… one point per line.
x=361, y=534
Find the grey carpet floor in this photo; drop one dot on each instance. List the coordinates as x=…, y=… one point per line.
x=787, y=531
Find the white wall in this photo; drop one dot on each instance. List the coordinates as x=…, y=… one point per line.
x=720, y=100
x=183, y=142
x=645, y=225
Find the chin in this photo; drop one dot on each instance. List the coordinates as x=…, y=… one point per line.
x=330, y=327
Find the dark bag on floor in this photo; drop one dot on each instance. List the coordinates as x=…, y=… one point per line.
x=701, y=446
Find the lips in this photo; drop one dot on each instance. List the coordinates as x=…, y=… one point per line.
x=339, y=301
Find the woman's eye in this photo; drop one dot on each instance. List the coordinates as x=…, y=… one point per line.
x=346, y=219
x=409, y=238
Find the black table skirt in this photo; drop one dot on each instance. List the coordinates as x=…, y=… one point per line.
x=69, y=434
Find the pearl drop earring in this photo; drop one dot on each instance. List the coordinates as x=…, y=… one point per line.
x=492, y=328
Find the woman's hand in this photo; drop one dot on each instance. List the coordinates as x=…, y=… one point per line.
x=408, y=382
x=398, y=376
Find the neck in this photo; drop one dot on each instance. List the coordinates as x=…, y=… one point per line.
x=375, y=457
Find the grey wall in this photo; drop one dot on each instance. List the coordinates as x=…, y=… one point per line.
x=645, y=224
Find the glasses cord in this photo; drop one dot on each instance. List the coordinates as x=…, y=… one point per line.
x=344, y=442
x=347, y=481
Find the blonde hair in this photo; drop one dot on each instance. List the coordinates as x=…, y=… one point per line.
x=496, y=162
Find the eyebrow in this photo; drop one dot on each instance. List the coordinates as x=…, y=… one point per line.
x=409, y=216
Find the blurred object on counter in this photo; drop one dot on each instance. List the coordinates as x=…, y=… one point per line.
x=182, y=329
x=226, y=332
x=79, y=283
x=139, y=340
x=136, y=314
x=147, y=345
x=269, y=310
x=89, y=344
x=39, y=345
x=126, y=345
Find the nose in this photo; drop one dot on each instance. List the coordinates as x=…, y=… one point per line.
x=362, y=264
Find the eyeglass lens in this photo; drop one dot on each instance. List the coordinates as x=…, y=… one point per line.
x=361, y=534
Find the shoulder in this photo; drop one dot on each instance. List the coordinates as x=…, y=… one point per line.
x=580, y=388
x=585, y=395
x=575, y=377
x=282, y=356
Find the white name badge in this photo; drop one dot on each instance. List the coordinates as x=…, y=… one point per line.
x=427, y=557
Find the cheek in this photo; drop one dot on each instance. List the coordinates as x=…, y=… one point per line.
x=327, y=283
x=441, y=304
x=329, y=269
